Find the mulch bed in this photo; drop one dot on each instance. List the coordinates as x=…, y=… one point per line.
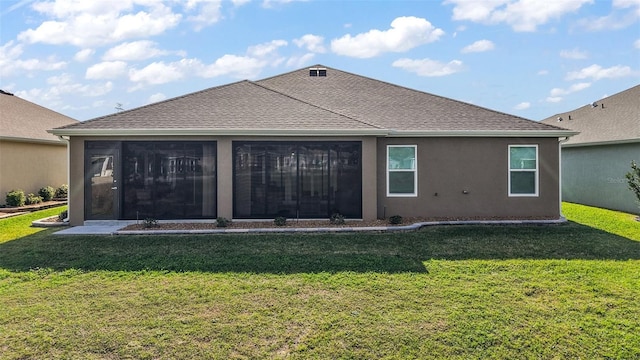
x=305, y=223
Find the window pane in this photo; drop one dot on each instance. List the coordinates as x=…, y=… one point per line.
x=401, y=182
x=523, y=182
x=523, y=157
x=402, y=157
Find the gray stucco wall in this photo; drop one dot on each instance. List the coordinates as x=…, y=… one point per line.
x=595, y=175
x=468, y=178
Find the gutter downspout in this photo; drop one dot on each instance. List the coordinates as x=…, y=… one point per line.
x=66, y=141
x=560, y=142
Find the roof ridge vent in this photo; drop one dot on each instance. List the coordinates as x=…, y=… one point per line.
x=318, y=71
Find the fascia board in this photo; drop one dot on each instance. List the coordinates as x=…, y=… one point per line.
x=601, y=143
x=217, y=132
x=483, y=133
x=32, y=141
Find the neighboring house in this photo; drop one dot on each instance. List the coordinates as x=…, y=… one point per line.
x=30, y=158
x=306, y=144
x=594, y=163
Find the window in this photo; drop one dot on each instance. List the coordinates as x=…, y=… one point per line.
x=523, y=170
x=402, y=170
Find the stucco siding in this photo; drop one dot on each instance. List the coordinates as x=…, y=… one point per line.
x=468, y=178
x=595, y=175
x=31, y=166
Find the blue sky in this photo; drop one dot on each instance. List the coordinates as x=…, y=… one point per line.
x=532, y=58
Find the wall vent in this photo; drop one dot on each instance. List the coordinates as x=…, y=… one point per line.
x=315, y=72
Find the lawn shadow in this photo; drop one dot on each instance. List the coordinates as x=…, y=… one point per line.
x=206, y=253
x=313, y=253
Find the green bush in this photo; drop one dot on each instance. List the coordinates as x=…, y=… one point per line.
x=47, y=193
x=63, y=215
x=15, y=198
x=223, y=222
x=62, y=192
x=280, y=221
x=395, y=220
x=33, y=199
x=149, y=223
x=633, y=180
x=337, y=219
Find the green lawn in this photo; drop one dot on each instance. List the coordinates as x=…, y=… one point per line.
x=517, y=292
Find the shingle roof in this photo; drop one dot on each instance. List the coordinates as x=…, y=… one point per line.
x=612, y=119
x=296, y=102
x=25, y=121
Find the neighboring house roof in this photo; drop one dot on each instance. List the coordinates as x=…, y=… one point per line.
x=21, y=120
x=614, y=119
x=296, y=103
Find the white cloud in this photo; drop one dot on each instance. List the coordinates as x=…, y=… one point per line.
x=158, y=73
x=636, y=44
x=405, y=33
x=266, y=49
x=64, y=84
x=554, y=99
x=106, y=70
x=597, y=72
x=573, y=88
x=156, y=98
x=208, y=12
x=543, y=72
x=300, y=61
x=523, y=105
x=573, y=54
x=88, y=23
x=132, y=51
x=620, y=17
x=428, y=67
x=479, y=46
x=521, y=15
x=237, y=66
x=12, y=65
x=83, y=55
x=313, y=43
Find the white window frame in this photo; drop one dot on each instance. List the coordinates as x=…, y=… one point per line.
x=414, y=170
x=536, y=171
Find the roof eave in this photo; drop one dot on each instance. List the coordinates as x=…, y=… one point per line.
x=219, y=132
x=313, y=132
x=600, y=143
x=32, y=141
x=482, y=133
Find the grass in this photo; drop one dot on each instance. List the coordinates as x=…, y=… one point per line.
x=19, y=226
x=565, y=291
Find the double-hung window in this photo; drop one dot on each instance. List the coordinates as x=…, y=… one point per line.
x=402, y=170
x=523, y=170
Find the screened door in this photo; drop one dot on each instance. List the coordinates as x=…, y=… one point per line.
x=297, y=179
x=102, y=187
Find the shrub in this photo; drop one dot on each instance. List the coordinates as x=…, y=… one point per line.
x=47, y=193
x=395, y=220
x=633, y=180
x=149, y=223
x=62, y=192
x=63, y=215
x=15, y=198
x=280, y=221
x=336, y=219
x=222, y=222
x=33, y=199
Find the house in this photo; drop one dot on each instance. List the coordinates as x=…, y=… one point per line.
x=309, y=143
x=594, y=163
x=30, y=158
